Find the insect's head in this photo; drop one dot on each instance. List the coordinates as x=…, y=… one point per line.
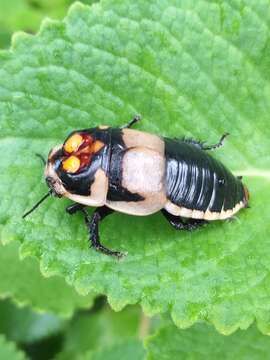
x=71, y=167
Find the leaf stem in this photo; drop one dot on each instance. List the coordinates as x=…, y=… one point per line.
x=144, y=326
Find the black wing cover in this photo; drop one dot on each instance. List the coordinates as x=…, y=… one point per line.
x=197, y=181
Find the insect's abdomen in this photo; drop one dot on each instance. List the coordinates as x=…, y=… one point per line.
x=199, y=186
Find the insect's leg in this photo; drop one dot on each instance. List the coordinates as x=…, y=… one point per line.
x=73, y=208
x=41, y=158
x=93, y=226
x=201, y=145
x=133, y=121
x=217, y=145
x=178, y=223
x=194, y=142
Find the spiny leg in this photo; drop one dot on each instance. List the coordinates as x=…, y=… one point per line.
x=178, y=224
x=92, y=223
x=217, y=145
x=73, y=208
x=197, y=143
x=133, y=121
x=201, y=145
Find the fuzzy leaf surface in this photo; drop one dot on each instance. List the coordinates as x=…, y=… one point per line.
x=190, y=68
x=23, y=283
x=203, y=342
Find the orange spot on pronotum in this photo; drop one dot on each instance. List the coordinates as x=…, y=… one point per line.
x=73, y=143
x=71, y=164
x=96, y=146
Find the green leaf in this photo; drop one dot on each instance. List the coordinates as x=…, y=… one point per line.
x=190, y=68
x=91, y=333
x=26, y=15
x=9, y=351
x=22, y=281
x=4, y=38
x=23, y=325
x=132, y=350
x=203, y=342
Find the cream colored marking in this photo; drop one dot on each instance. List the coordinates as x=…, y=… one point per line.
x=143, y=171
x=85, y=200
x=208, y=215
x=172, y=208
x=150, y=205
x=211, y=215
x=99, y=190
x=228, y=213
x=186, y=212
x=103, y=127
x=134, y=138
x=197, y=214
x=99, y=187
x=58, y=186
x=143, y=174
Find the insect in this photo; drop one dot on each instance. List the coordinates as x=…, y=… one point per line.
x=134, y=172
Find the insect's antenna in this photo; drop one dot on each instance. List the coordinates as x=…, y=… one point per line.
x=41, y=158
x=37, y=204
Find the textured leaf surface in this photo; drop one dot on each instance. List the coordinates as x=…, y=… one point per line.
x=23, y=282
x=9, y=351
x=23, y=325
x=132, y=350
x=88, y=334
x=203, y=342
x=190, y=68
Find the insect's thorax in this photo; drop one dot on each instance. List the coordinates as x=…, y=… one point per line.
x=137, y=169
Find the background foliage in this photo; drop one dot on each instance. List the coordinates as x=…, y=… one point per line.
x=192, y=68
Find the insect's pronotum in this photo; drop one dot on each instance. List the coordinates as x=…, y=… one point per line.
x=130, y=171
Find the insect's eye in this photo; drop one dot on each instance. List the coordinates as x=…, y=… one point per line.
x=73, y=143
x=71, y=164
